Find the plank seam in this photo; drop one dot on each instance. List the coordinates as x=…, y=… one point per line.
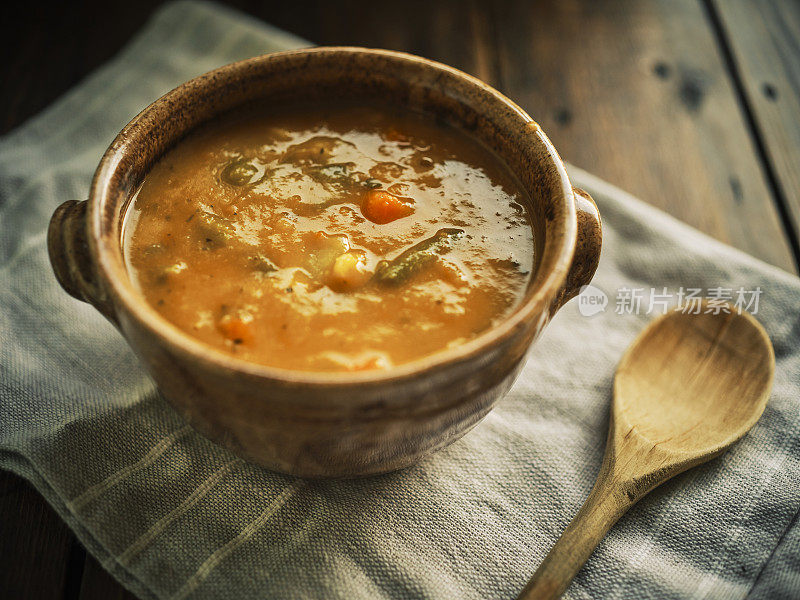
x=728, y=59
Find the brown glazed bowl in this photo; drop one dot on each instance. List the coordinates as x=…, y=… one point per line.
x=329, y=424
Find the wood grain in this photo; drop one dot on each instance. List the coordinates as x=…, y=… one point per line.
x=764, y=38
x=454, y=32
x=636, y=92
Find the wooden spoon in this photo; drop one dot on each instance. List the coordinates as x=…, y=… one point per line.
x=688, y=388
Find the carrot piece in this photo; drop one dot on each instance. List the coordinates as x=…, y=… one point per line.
x=379, y=206
x=237, y=328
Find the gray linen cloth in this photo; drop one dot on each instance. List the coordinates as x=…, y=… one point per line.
x=171, y=515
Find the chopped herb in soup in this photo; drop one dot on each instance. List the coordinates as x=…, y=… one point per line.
x=343, y=239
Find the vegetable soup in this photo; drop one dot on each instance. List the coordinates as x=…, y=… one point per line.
x=348, y=238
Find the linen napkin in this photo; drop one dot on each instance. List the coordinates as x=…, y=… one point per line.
x=172, y=515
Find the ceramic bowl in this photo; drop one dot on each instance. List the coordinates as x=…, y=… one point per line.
x=329, y=424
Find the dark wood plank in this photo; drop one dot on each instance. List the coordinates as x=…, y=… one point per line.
x=764, y=39
x=636, y=92
x=35, y=544
x=98, y=584
x=452, y=31
x=43, y=56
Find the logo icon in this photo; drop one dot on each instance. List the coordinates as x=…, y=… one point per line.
x=592, y=300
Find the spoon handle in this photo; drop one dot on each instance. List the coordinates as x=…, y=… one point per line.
x=605, y=505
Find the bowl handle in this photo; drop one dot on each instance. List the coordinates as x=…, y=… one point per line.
x=587, y=249
x=68, y=247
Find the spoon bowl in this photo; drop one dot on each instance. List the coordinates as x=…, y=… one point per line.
x=689, y=386
x=695, y=383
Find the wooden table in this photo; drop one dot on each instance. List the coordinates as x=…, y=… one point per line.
x=693, y=106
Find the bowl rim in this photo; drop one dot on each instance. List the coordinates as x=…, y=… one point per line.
x=120, y=286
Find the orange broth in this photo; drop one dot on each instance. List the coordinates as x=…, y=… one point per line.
x=348, y=238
